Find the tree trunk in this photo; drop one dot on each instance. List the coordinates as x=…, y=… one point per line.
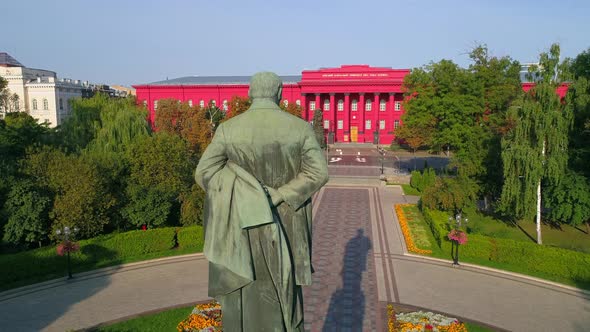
x=539, y=238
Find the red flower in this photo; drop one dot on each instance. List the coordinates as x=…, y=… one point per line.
x=428, y=327
x=67, y=246
x=143, y=227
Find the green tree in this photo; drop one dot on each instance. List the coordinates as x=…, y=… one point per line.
x=80, y=127
x=450, y=194
x=160, y=176
x=27, y=210
x=318, y=127
x=535, y=150
x=569, y=201
x=77, y=188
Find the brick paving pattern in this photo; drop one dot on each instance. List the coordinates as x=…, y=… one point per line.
x=343, y=294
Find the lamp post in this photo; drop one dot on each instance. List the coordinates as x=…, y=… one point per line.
x=382, y=158
x=65, y=233
x=456, y=235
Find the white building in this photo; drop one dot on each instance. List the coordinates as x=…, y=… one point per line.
x=39, y=91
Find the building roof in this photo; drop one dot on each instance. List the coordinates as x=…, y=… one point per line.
x=219, y=80
x=7, y=61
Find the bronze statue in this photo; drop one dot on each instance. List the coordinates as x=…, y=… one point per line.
x=259, y=173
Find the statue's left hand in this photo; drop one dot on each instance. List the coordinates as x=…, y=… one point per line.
x=275, y=196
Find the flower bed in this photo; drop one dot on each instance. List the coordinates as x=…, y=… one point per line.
x=204, y=318
x=422, y=321
x=403, y=222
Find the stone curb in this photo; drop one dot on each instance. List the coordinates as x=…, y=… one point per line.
x=501, y=273
x=20, y=291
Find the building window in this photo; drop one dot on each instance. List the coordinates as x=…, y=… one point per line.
x=381, y=124
x=61, y=104
x=225, y=105
x=398, y=105
x=202, y=103
x=368, y=124
x=286, y=102
x=340, y=124
x=326, y=124
x=145, y=103
x=16, y=105
x=34, y=104
x=382, y=105
x=327, y=105
x=355, y=105
x=155, y=104
x=190, y=103
x=312, y=105
x=213, y=102
x=298, y=102
x=396, y=124
x=341, y=105
x=45, y=104
x=368, y=105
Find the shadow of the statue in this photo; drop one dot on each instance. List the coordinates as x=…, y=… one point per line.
x=347, y=305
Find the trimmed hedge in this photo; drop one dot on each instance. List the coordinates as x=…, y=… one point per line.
x=439, y=229
x=43, y=264
x=191, y=237
x=552, y=262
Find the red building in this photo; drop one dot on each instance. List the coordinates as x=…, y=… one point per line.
x=359, y=102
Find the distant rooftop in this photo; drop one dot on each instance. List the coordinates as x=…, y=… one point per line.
x=213, y=80
x=7, y=61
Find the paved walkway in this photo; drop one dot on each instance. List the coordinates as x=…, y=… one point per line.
x=360, y=262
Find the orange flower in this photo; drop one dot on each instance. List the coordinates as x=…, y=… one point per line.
x=406, y=231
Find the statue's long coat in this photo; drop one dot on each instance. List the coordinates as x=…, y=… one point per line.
x=281, y=152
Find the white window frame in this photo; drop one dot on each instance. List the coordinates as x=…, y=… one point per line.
x=225, y=107
x=286, y=102
x=190, y=103
x=312, y=105
x=156, y=104
x=381, y=124
x=213, y=102
x=355, y=105
x=326, y=124
x=382, y=105
x=45, y=104
x=202, y=103
x=326, y=104
x=340, y=124
x=340, y=105
x=368, y=105
x=395, y=124
x=144, y=103
x=398, y=105
x=298, y=102
x=368, y=124
x=34, y=103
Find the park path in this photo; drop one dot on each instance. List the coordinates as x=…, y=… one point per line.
x=361, y=264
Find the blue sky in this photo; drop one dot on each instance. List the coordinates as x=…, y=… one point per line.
x=130, y=42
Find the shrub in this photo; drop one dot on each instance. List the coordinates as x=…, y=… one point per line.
x=112, y=249
x=416, y=180
x=191, y=237
x=437, y=223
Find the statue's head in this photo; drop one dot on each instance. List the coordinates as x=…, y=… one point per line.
x=266, y=85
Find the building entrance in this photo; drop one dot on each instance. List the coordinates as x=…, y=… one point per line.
x=354, y=132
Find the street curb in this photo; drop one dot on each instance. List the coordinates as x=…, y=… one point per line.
x=502, y=273
x=20, y=291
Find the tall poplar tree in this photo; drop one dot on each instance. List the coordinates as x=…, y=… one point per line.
x=535, y=149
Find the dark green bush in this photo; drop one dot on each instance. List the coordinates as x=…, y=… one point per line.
x=528, y=258
x=191, y=237
x=436, y=224
x=112, y=249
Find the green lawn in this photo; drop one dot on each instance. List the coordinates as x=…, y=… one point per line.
x=491, y=247
x=420, y=232
x=161, y=322
x=565, y=236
